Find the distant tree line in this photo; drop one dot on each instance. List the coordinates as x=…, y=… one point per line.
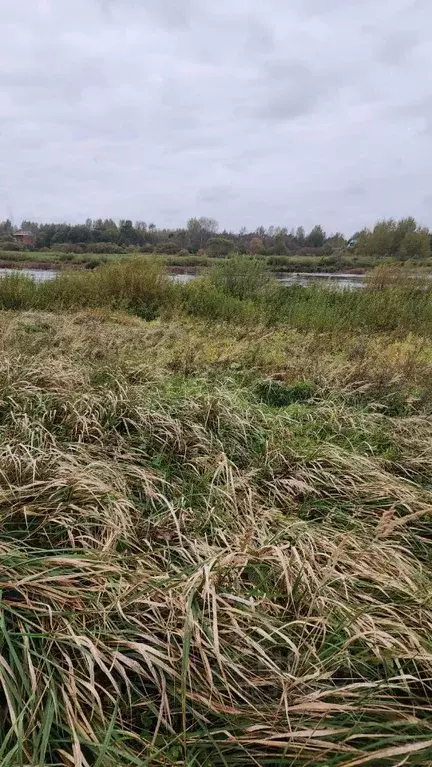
x=403, y=239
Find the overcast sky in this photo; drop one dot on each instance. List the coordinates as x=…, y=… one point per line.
x=281, y=112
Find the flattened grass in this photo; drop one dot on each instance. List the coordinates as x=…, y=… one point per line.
x=192, y=575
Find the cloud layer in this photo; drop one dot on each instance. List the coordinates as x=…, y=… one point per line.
x=250, y=112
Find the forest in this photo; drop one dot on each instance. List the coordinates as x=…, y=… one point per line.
x=404, y=239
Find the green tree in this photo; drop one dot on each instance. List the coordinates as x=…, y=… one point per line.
x=30, y=226
x=127, y=233
x=62, y=234
x=316, y=238
x=403, y=227
x=200, y=230
x=415, y=245
x=402, y=239
x=300, y=235
x=279, y=246
x=378, y=243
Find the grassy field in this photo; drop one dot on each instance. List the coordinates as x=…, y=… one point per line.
x=215, y=535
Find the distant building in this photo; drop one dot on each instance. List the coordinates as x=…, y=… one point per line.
x=25, y=238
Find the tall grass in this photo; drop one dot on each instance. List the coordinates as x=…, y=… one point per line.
x=142, y=287
x=242, y=289
x=239, y=289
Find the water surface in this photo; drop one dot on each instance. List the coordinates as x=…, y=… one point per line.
x=298, y=278
x=342, y=281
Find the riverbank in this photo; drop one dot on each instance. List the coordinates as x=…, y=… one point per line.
x=348, y=264
x=215, y=542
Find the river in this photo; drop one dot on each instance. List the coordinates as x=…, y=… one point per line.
x=342, y=281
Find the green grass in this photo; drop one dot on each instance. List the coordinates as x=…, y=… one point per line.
x=215, y=541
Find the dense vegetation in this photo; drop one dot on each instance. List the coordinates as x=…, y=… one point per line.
x=215, y=544
x=239, y=289
x=404, y=240
x=215, y=532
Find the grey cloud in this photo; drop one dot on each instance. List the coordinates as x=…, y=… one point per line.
x=398, y=46
x=318, y=7
x=216, y=193
x=260, y=38
x=416, y=115
x=355, y=190
x=277, y=113
x=289, y=90
x=169, y=12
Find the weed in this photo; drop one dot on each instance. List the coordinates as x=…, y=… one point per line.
x=277, y=394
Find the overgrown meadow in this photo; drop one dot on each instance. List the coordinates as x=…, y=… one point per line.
x=215, y=540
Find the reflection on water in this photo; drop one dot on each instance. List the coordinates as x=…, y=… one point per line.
x=341, y=280
x=39, y=275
